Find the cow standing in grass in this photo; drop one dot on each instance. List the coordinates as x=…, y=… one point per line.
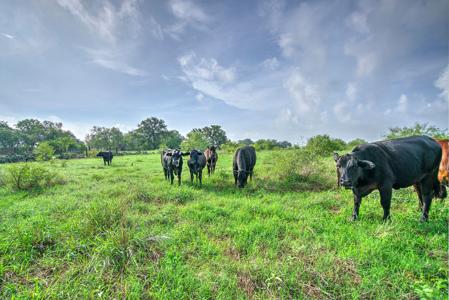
x=211, y=159
x=165, y=165
x=392, y=164
x=173, y=160
x=196, y=164
x=243, y=165
x=107, y=157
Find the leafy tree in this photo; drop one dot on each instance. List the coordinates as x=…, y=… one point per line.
x=32, y=130
x=44, y=151
x=151, y=131
x=10, y=138
x=131, y=141
x=417, y=129
x=324, y=145
x=194, y=140
x=214, y=135
x=270, y=144
x=172, y=140
x=105, y=138
x=356, y=142
x=246, y=142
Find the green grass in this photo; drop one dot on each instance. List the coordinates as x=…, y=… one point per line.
x=122, y=231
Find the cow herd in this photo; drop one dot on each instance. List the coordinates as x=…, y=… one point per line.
x=418, y=161
x=242, y=165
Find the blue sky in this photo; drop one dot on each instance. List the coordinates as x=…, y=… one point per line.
x=260, y=69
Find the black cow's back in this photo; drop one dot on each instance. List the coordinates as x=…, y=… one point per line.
x=245, y=158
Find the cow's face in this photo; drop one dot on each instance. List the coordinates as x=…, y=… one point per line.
x=100, y=154
x=351, y=169
x=176, y=157
x=194, y=156
x=242, y=179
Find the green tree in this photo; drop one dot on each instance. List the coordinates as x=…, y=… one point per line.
x=151, y=131
x=356, y=142
x=44, y=151
x=245, y=142
x=32, y=130
x=172, y=139
x=105, y=138
x=10, y=139
x=214, y=135
x=194, y=140
x=324, y=145
x=417, y=129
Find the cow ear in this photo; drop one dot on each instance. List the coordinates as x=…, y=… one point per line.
x=336, y=156
x=185, y=153
x=366, y=164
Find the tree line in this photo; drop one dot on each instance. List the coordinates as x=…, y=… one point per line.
x=33, y=139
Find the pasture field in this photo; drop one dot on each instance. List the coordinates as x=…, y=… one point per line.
x=123, y=232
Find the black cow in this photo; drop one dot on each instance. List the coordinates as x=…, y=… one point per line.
x=165, y=164
x=107, y=157
x=196, y=164
x=243, y=165
x=211, y=159
x=392, y=164
x=173, y=161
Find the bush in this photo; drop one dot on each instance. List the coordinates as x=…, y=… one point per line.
x=230, y=147
x=29, y=177
x=302, y=170
x=44, y=151
x=12, y=158
x=324, y=145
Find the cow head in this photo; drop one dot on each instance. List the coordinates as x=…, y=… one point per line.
x=100, y=154
x=351, y=169
x=176, y=157
x=242, y=178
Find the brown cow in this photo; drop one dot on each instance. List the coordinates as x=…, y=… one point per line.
x=211, y=159
x=443, y=172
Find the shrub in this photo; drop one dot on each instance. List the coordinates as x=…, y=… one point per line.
x=302, y=170
x=29, y=177
x=324, y=145
x=44, y=151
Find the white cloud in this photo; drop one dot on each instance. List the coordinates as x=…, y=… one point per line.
x=351, y=91
x=8, y=36
x=188, y=11
x=199, y=97
x=109, y=21
x=271, y=63
x=402, y=104
x=206, y=69
x=305, y=94
x=443, y=83
x=119, y=67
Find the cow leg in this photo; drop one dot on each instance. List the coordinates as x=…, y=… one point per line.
x=385, y=200
x=172, y=176
x=191, y=177
x=209, y=168
x=104, y=162
x=235, y=177
x=179, y=177
x=443, y=193
x=200, y=175
x=418, y=190
x=427, y=193
x=357, y=202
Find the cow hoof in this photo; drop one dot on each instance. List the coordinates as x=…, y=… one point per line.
x=423, y=219
x=354, y=218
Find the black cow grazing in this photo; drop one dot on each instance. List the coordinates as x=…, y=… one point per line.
x=211, y=159
x=243, y=165
x=196, y=164
x=173, y=160
x=107, y=157
x=392, y=164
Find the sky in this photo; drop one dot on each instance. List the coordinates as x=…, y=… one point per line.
x=286, y=70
